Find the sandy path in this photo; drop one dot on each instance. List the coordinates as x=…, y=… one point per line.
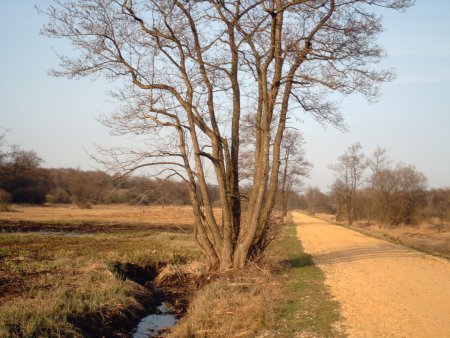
x=385, y=290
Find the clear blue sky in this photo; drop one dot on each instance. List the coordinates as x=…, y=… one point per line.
x=57, y=117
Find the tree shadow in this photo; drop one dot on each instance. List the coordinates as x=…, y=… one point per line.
x=299, y=261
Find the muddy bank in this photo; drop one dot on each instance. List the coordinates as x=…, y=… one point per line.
x=116, y=323
x=148, y=300
x=8, y=226
x=164, y=297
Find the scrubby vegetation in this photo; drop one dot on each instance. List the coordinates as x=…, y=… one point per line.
x=373, y=190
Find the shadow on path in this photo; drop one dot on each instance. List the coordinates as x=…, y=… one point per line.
x=360, y=253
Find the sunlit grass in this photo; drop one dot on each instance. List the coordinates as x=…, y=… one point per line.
x=47, y=280
x=119, y=214
x=308, y=307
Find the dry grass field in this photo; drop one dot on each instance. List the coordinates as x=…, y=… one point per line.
x=122, y=214
x=60, y=278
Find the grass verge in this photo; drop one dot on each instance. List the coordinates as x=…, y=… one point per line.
x=308, y=309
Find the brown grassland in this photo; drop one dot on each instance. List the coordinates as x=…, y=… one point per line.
x=64, y=283
x=109, y=214
x=72, y=272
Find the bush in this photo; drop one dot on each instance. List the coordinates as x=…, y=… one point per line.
x=29, y=194
x=58, y=195
x=5, y=197
x=82, y=203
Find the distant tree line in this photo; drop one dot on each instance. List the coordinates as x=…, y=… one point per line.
x=372, y=189
x=24, y=180
x=368, y=188
x=85, y=188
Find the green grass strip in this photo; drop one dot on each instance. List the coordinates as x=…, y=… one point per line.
x=309, y=309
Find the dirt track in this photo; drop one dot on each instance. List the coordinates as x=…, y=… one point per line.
x=385, y=290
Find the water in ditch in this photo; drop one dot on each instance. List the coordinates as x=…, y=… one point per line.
x=151, y=325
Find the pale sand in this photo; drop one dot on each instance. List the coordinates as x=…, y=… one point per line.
x=385, y=290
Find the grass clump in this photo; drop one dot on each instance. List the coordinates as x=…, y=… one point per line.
x=233, y=305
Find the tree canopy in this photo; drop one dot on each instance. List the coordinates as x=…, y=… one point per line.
x=191, y=70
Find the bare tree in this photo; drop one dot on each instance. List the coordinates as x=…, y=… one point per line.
x=338, y=192
x=349, y=173
x=294, y=165
x=397, y=191
x=3, y=154
x=439, y=203
x=192, y=68
x=310, y=195
x=378, y=162
x=5, y=196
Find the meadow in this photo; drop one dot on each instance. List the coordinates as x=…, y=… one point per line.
x=94, y=272
x=58, y=266
x=101, y=214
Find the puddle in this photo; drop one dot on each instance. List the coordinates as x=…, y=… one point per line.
x=58, y=233
x=151, y=325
